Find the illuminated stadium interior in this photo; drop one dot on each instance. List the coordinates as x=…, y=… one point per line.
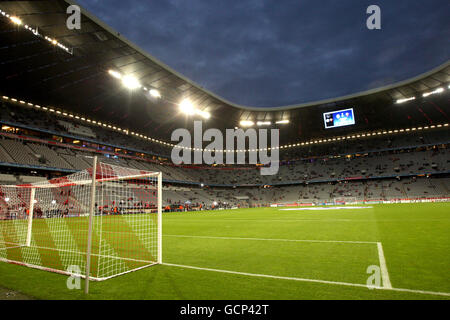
x=67, y=95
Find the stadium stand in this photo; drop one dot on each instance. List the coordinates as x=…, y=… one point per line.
x=318, y=180
x=20, y=152
x=381, y=167
x=77, y=129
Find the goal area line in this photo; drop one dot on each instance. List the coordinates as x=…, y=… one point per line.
x=382, y=261
x=446, y=294
x=383, y=267
x=386, y=282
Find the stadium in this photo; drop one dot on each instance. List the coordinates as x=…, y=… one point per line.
x=358, y=208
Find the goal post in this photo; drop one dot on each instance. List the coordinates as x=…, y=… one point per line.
x=160, y=218
x=103, y=221
x=91, y=215
x=30, y=216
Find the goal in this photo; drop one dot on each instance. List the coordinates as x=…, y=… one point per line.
x=345, y=200
x=103, y=222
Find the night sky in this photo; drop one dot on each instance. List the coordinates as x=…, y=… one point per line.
x=274, y=53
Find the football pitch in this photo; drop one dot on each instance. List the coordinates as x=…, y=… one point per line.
x=270, y=253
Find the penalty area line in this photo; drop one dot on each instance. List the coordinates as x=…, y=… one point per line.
x=338, y=283
x=383, y=267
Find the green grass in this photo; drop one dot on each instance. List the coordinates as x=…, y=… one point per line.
x=415, y=239
x=6, y=294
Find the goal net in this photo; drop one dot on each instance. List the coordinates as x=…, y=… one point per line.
x=103, y=224
x=345, y=200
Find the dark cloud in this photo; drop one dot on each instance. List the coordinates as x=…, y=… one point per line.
x=273, y=53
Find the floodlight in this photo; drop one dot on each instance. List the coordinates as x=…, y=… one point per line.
x=155, y=93
x=405, y=100
x=115, y=74
x=16, y=20
x=438, y=90
x=186, y=107
x=131, y=82
x=203, y=114
x=282, y=122
x=263, y=123
x=247, y=123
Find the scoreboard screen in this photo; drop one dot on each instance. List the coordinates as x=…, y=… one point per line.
x=339, y=118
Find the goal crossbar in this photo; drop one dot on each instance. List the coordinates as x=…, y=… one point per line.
x=40, y=185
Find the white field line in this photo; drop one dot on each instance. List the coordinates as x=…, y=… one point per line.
x=275, y=220
x=383, y=267
x=264, y=239
x=446, y=294
x=323, y=208
x=304, y=220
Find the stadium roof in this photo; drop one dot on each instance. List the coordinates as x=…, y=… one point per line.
x=36, y=69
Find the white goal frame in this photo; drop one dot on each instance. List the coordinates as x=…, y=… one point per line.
x=345, y=200
x=25, y=238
